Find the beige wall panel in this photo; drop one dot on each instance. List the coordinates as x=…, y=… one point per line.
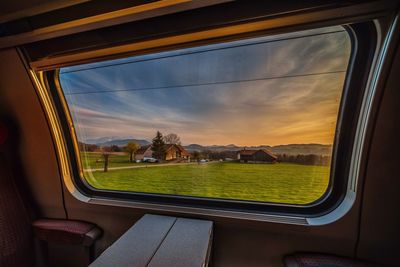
x=18, y=97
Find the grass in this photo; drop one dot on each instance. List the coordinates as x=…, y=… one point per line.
x=94, y=160
x=279, y=183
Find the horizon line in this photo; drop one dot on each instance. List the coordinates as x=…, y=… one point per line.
x=209, y=145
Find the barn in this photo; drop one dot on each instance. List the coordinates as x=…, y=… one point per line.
x=256, y=156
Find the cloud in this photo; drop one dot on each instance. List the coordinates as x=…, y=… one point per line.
x=255, y=111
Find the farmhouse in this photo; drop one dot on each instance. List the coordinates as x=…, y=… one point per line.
x=256, y=156
x=172, y=152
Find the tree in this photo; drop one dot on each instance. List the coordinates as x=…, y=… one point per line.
x=115, y=148
x=87, y=147
x=131, y=148
x=105, y=153
x=158, y=146
x=172, y=138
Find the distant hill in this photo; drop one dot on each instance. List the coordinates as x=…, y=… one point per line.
x=106, y=141
x=99, y=140
x=194, y=147
x=124, y=142
x=296, y=149
x=291, y=149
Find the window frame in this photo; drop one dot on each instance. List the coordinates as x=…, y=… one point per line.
x=340, y=184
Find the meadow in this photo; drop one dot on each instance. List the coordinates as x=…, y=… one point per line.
x=94, y=160
x=279, y=183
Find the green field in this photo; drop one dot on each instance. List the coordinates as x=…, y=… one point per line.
x=94, y=160
x=281, y=182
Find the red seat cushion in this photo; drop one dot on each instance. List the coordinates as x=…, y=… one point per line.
x=62, y=231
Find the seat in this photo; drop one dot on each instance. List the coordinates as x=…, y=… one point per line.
x=16, y=235
x=19, y=222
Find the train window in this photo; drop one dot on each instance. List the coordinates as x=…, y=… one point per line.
x=250, y=120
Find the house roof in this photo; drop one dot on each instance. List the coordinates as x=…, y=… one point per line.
x=269, y=153
x=249, y=152
x=183, y=150
x=142, y=149
x=169, y=146
x=179, y=147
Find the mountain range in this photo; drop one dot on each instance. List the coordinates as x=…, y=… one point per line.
x=110, y=141
x=290, y=149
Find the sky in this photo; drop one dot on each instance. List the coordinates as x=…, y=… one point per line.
x=277, y=90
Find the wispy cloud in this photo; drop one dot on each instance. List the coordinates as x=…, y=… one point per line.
x=276, y=111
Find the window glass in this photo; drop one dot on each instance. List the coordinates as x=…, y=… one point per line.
x=250, y=120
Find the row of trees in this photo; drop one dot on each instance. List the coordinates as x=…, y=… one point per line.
x=213, y=155
x=310, y=159
x=96, y=148
x=88, y=147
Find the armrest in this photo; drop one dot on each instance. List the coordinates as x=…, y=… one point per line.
x=66, y=231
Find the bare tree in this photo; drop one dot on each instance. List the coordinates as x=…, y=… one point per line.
x=105, y=153
x=131, y=148
x=172, y=138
